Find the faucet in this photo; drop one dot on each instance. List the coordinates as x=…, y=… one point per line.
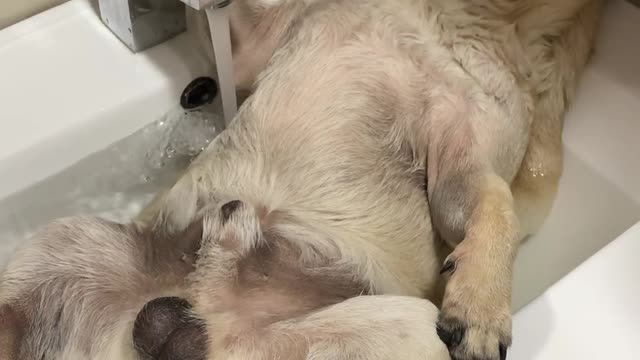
x=141, y=24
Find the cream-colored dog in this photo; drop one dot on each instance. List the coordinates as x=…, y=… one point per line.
x=382, y=136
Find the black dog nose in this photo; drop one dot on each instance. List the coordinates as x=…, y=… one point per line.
x=155, y=323
x=165, y=329
x=229, y=208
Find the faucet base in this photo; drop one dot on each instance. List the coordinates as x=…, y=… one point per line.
x=141, y=24
x=204, y=4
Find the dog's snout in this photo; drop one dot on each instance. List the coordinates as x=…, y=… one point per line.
x=229, y=208
x=155, y=323
x=165, y=329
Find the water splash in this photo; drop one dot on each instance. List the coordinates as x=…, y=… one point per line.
x=115, y=183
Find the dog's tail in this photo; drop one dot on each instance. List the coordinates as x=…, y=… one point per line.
x=558, y=37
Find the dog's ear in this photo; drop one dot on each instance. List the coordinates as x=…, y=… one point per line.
x=12, y=328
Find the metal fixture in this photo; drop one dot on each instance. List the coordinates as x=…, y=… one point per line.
x=141, y=24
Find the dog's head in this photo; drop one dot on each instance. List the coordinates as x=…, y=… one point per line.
x=90, y=288
x=250, y=272
x=69, y=292
x=169, y=327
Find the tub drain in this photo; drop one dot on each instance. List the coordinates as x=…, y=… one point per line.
x=200, y=91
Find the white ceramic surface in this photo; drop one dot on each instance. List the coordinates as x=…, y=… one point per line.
x=599, y=196
x=594, y=312
x=69, y=87
x=591, y=314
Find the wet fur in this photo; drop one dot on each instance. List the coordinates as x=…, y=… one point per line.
x=358, y=107
x=86, y=288
x=364, y=104
x=463, y=98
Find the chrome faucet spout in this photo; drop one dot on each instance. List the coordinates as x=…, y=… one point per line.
x=205, y=4
x=141, y=24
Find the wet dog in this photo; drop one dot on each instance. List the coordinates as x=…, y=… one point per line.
x=387, y=146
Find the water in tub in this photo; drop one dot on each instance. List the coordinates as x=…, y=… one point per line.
x=115, y=183
x=118, y=182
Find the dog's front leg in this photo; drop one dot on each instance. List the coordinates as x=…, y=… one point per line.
x=473, y=211
x=355, y=329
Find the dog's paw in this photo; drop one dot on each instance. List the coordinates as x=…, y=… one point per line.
x=469, y=341
x=475, y=318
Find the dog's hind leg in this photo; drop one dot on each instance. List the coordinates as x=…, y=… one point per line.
x=480, y=213
x=561, y=60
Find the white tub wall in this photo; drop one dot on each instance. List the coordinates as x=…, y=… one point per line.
x=599, y=194
x=591, y=314
x=12, y=11
x=70, y=88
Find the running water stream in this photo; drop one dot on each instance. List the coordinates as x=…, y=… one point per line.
x=218, y=17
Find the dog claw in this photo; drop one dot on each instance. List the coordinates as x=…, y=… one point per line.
x=503, y=352
x=449, y=266
x=229, y=208
x=451, y=335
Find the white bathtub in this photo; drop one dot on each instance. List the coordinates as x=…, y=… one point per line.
x=69, y=88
